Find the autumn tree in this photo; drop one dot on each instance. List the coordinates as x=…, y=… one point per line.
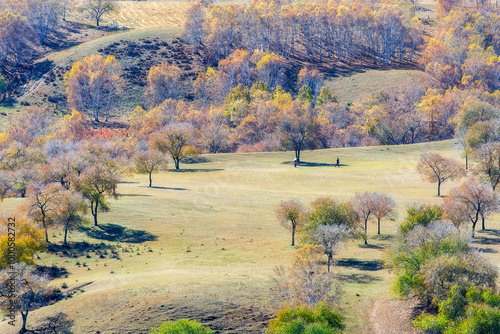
x=31, y=124
x=176, y=140
x=193, y=27
x=95, y=184
x=271, y=69
x=312, y=79
x=373, y=204
x=163, y=82
x=29, y=240
x=95, y=9
x=42, y=15
x=433, y=167
x=385, y=206
x=92, y=85
x=71, y=210
x=488, y=158
x=150, y=161
x=291, y=215
x=42, y=203
x=476, y=199
x=298, y=128
x=31, y=292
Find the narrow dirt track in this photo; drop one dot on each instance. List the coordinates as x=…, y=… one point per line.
x=390, y=316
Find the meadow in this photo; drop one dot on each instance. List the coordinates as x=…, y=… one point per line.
x=203, y=242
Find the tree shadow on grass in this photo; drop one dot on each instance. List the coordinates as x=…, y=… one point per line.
x=76, y=249
x=166, y=188
x=59, y=323
x=195, y=170
x=371, y=246
x=117, y=233
x=312, y=164
x=359, y=278
x=371, y=265
x=383, y=237
x=134, y=195
x=52, y=272
x=487, y=237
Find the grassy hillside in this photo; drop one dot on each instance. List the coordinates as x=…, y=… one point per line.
x=145, y=14
x=203, y=242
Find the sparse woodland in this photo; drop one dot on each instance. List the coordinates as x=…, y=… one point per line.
x=262, y=89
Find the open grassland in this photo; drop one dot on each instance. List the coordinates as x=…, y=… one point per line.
x=144, y=14
x=203, y=242
x=355, y=86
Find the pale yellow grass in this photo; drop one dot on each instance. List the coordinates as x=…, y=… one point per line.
x=145, y=14
x=357, y=86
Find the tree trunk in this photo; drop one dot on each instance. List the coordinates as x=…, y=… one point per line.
x=293, y=236
x=439, y=188
x=25, y=317
x=176, y=162
x=378, y=225
x=94, y=212
x=366, y=231
x=329, y=262
x=65, y=242
x=482, y=220
x=150, y=181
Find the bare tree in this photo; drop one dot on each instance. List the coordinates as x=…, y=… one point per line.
x=95, y=9
x=150, y=161
x=433, y=167
x=94, y=184
x=365, y=204
x=488, y=159
x=70, y=212
x=308, y=282
x=42, y=15
x=385, y=206
x=21, y=290
x=329, y=237
x=473, y=199
x=41, y=204
x=193, y=27
x=291, y=215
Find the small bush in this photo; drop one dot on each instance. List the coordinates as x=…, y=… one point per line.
x=307, y=320
x=182, y=326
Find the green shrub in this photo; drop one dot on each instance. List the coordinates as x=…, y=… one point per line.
x=320, y=319
x=182, y=326
x=420, y=215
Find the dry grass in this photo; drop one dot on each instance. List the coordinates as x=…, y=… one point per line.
x=218, y=239
x=357, y=86
x=144, y=14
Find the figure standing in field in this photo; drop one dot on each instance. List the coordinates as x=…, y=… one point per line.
x=295, y=162
x=338, y=163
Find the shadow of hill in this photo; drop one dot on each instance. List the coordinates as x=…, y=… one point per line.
x=113, y=232
x=372, y=265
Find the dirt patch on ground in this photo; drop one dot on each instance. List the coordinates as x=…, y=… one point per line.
x=390, y=316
